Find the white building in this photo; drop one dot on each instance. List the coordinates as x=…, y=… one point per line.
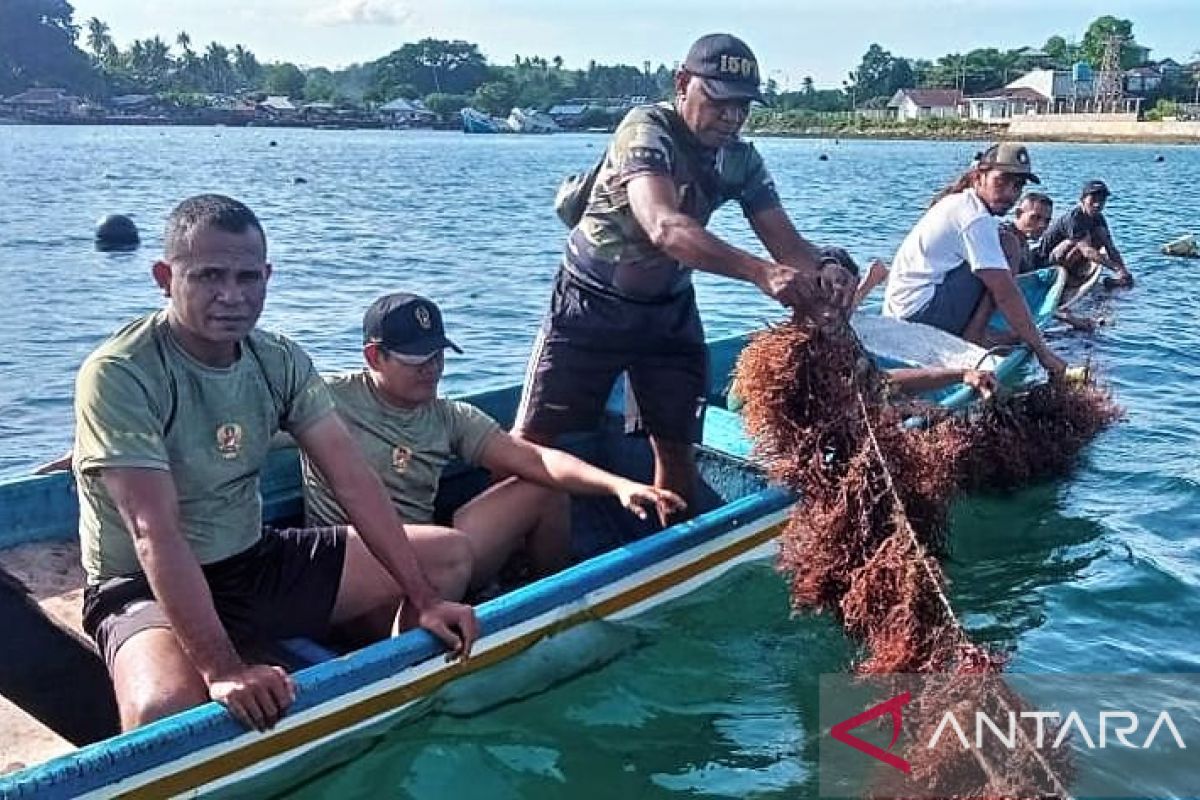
x=911, y=104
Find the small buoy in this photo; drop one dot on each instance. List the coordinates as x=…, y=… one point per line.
x=273, y=143
x=116, y=232
x=822, y=157
x=1160, y=158
x=299, y=180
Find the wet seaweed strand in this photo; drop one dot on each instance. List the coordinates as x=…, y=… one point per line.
x=865, y=538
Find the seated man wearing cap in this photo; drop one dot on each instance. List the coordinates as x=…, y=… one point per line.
x=951, y=270
x=623, y=299
x=1081, y=236
x=409, y=435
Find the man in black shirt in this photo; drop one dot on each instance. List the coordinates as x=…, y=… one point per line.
x=1081, y=236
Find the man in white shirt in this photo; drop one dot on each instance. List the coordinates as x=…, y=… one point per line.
x=952, y=260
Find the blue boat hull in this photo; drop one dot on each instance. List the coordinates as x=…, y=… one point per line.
x=204, y=750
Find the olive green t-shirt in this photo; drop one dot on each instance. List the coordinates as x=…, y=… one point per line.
x=609, y=248
x=407, y=448
x=142, y=401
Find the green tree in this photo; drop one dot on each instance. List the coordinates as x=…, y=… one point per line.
x=98, y=37
x=218, y=73
x=246, y=69
x=445, y=105
x=494, y=97
x=879, y=74
x=1095, y=39
x=285, y=79
x=432, y=65
x=37, y=47
x=1058, y=51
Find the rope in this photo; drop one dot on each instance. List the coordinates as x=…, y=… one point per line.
x=902, y=516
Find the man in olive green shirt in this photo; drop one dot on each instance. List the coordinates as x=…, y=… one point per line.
x=623, y=300
x=409, y=435
x=174, y=416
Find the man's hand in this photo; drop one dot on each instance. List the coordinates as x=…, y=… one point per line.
x=1053, y=365
x=790, y=286
x=982, y=381
x=257, y=694
x=638, y=498
x=453, y=623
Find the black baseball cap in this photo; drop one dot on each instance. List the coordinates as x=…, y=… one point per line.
x=407, y=325
x=726, y=66
x=1095, y=187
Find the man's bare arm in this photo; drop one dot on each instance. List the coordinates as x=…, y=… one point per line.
x=655, y=205
x=359, y=491
x=775, y=230
x=148, y=504
x=1003, y=289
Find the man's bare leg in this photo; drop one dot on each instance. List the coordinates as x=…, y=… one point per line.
x=512, y=513
x=976, y=330
x=675, y=469
x=368, y=597
x=153, y=677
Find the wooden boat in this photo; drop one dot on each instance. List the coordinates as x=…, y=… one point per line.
x=1077, y=288
x=625, y=569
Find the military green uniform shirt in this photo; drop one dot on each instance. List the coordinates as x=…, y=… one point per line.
x=142, y=401
x=407, y=448
x=609, y=248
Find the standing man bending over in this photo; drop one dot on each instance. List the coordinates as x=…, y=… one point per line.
x=623, y=299
x=409, y=435
x=173, y=416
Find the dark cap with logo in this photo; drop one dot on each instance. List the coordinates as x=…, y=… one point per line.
x=1009, y=157
x=1095, y=187
x=727, y=67
x=406, y=324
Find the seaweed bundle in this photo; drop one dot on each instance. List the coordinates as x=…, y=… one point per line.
x=870, y=526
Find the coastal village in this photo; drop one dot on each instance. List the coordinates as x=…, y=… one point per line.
x=1108, y=86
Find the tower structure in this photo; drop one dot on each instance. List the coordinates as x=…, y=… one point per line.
x=1108, y=85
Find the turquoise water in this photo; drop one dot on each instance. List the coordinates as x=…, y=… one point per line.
x=713, y=695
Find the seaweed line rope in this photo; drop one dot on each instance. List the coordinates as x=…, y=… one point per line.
x=945, y=601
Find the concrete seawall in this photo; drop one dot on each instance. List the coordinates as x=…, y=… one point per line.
x=1102, y=128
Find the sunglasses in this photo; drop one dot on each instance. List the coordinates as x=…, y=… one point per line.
x=413, y=361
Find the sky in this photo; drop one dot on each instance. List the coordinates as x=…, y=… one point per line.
x=821, y=38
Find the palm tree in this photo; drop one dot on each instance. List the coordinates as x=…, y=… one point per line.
x=98, y=38
x=157, y=54
x=216, y=67
x=246, y=67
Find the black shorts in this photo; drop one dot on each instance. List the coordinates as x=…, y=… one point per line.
x=953, y=303
x=589, y=338
x=282, y=586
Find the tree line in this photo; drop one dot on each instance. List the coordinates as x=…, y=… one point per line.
x=880, y=73
x=41, y=45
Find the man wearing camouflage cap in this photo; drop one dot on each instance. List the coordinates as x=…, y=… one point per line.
x=623, y=299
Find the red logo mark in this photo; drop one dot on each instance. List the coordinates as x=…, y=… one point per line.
x=892, y=707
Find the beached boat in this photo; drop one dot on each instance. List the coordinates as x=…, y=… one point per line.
x=625, y=568
x=477, y=122
x=530, y=120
